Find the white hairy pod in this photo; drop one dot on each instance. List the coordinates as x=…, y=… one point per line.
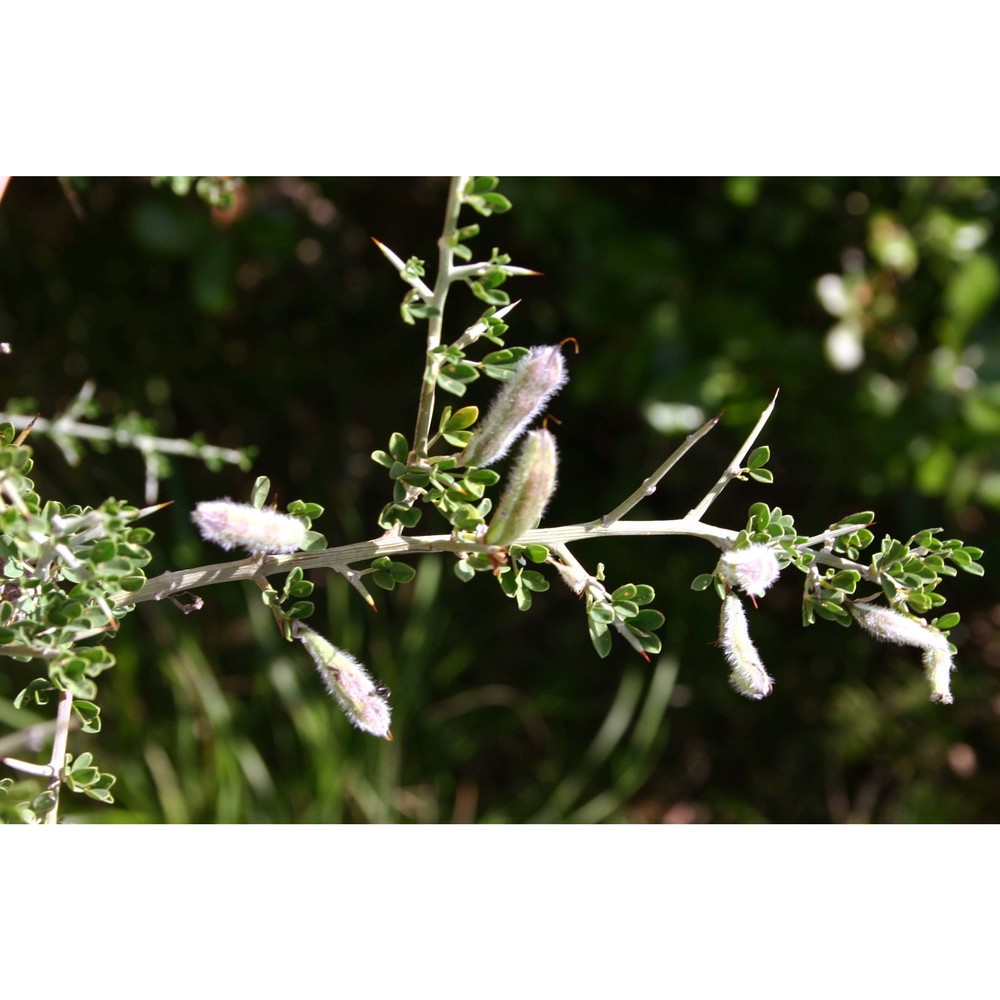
x=748, y=676
x=752, y=569
x=938, y=666
x=239, y=525
x=537, y=377
x=530, y=486
x=363, y=701
x=893, y=626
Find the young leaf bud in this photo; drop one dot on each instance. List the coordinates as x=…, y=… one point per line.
x=938, y=667
x=363, y=702
x=238, y=525
x=893, y=626
x=530, y=486
x=535, y=380
x=752, y=569
x=748, y=676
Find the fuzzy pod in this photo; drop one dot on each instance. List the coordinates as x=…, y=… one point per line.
x=893, y=626
x=239, y=525
x=363, y=702
x=529, y=488
x=938, y=666
x=535, y=380
x=748, y=676
x=752, y=569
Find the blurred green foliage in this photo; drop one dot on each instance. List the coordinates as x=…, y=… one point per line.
x=262, y=314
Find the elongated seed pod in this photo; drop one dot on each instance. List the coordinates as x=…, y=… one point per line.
x=893, y=626
x=529, y=488
x=748, y=676
x=534, y=381
x=363, y=702
x=938, y=667
x=238, y=525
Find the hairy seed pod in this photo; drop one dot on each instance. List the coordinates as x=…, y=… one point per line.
x=752, y=569
x=893, y=626
x=748, y=676
x=363, y=701
x=238, y=525
x=535, y=380
x=531, y=484
x=938, y=667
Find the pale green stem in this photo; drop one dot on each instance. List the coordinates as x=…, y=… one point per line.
x=57, y=762
x=445, y=277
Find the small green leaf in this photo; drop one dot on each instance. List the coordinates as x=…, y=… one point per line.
x=450, y=385
x=759, y=457
x=481, y=185
x=462, y=419
x=399, y=448
x=260, y=492
x=846, y=580
x=402, y=572
x=534, y=581
x=599, y=636
x=102, y=550
x=703, y=581
x=648, y=619
x=89, y=715
x=43, y=803
x=485, y=477
x=458, y=439
x=949, y=621
x=602, y=613
x=420, y=310
x=463, y=570
x=762, y=475
x=863, y=518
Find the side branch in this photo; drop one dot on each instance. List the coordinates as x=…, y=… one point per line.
x=648, y=487
x=341, y=557
x=735, y=466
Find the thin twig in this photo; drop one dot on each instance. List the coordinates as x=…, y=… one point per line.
x=648, y=487
x=735, y=467
x=474, y=332
x=57, y=761
x=144, y=443
x=446, y=259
